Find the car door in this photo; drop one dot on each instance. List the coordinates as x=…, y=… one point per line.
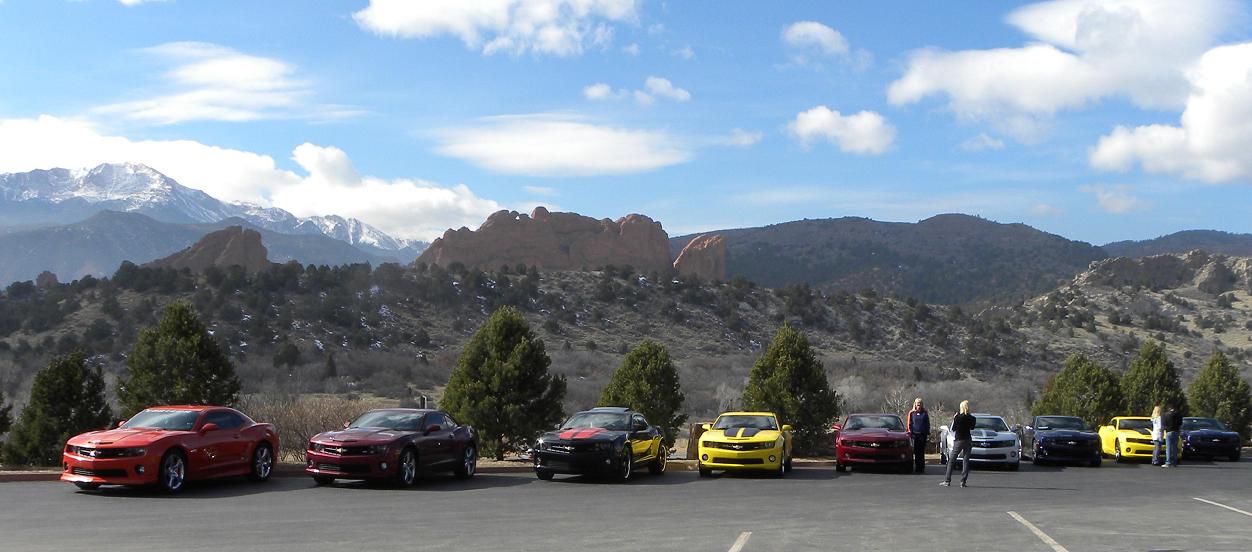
x=232, y=446
x=434, y=441
x=642, y=437
x=209, y=449
x=1106, y=434
x=1028, y=436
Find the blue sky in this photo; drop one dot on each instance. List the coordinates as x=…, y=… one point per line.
x=1096, y=121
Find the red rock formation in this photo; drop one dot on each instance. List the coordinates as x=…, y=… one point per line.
x=554, y=241
x=226, y=247
x=46, y=280
x=704, y=257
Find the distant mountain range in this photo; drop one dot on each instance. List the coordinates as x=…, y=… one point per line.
x=63, y=196
x=1212, y=241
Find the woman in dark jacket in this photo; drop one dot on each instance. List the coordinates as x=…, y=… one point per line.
x=962, y=443
x=917, y=423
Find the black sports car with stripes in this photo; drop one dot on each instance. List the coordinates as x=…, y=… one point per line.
x=612, y=441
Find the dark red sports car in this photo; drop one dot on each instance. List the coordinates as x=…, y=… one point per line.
x=393, y=444
x=873, y=439
x=170, y=445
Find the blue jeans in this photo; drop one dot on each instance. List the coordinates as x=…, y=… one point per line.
x=1156, y=452
x=1171, y=448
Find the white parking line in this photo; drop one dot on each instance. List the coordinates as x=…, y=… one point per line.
x=741, y=542
x=1219, y=505
x=1038, y=533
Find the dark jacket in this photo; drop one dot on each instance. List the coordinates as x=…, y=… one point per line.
x=1171, y=421
x=919, y=422
x=962, y=424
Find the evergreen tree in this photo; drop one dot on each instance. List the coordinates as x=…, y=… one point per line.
x=1152, y=380
x=789, y=381
x=501, y=383
x=1219, y=392
x=67, y=398
x=647, y=382
x=331, y=371
x=6, y=416
x=177, y=362
x=1084, y=389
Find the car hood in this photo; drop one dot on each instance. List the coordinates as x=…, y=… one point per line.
x=1202, y=433
x=361, y=436
x=1064, y=434
x=591, y=434
x=738, y=434
x=873, y=434
x=1136, y=432
x=136, y=437
x=991, y=435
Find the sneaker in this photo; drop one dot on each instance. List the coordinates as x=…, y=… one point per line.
x=945, y=484
x=1166, y=466
x=963, y=485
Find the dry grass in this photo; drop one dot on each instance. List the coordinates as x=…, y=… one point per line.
x=299, y=417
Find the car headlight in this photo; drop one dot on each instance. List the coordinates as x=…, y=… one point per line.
x=317, y=447
x=378, y=449
x=131, y=452
x=606, y=445
x=901, y=444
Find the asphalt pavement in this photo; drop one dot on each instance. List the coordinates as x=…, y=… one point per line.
x=1199, y=506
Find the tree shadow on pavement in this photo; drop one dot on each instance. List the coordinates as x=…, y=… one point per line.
x=199, y=490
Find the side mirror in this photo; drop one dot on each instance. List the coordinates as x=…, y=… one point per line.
x=432, y=429
x=786, y=428
x=706, y=427
x=836, y=427
x=207, y=428
x=121, y=423
x=557, y=426
x=346, y=425
x=1030, y=428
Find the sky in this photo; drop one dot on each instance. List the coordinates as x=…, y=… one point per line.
x=1098, y=121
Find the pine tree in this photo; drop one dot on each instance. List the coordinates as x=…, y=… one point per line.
x=789, y=381
x=1083, y=388
x=1151, y=381
x=177, y=362
x=1219, y=392
x=501, y=383
x=6, y=416
x=331, y=371
x=67, y=398
x=647, y=382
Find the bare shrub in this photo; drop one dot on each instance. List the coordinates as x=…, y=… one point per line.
x=299, y=417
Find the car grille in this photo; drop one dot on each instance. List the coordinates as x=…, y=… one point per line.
x=742, y=461
x=98, y=473
x=336, y=450
x=877, y=444
x=345, y=468
x=988, y=456
x=994, y=444
x=1139, y=441
x=92, y=452
x=738, y=446
x=570, y=447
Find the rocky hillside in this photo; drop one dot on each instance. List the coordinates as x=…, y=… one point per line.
x=947, y=259
x=230, y=246
x=1212, y=241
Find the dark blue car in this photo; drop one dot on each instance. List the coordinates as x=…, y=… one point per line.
x=1209, y=438
x=1061, y=439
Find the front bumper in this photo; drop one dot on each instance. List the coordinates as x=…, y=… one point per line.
x=749, y=460
x=847, y=454
x=1139, y=449
x=993, y=455
x=1210, y=449
x=138, y=470
x=1063, y=452
x=364, y=466
x=585, y=462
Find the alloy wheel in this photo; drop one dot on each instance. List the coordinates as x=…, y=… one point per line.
x=175, y=472
x=263, y=464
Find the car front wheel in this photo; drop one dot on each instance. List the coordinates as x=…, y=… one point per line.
x=624, y=466
x=406, y=470
x=173, y=473
x=469, y=463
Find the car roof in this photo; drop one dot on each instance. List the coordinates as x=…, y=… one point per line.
x=1131, y=418
x=985, y=415
x=1058, y=416
x=747, y=414
x=873, y=414
x=414, y=410
x=190, y=407
x=613, y=409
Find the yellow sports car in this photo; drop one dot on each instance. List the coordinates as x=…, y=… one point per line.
x=749, y=441
x=1127, y=437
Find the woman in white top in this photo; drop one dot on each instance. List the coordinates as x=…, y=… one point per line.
x=1156, y=435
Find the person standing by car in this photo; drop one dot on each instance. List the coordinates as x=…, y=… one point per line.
x=1172, y=422
x=917, y=424
x=962, y=444
x=1156, y=435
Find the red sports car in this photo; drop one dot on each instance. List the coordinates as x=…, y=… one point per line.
x=873, y=439
x=393, y=444
x=170, y=445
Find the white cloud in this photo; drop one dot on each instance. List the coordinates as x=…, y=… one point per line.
x=556, y=27
x=1117, y=200
x=560, y=145
x=1046, y=210
x=982, y=142
x=742, y=138
x=408, y=208
x=658, y=86
x=541, y=190
x=632, y=49
x=1211, y=142
x=208, y=82
x=1082, y=51
x=685, y=53
x=815, y=36
x=653, y=87
x=864, y=133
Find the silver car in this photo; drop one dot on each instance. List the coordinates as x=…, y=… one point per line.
x=994, y=442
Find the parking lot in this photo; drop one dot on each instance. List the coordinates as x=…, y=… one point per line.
x=1199, y=506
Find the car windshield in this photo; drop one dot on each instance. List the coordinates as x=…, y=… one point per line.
x=755, y=422
x=992, y=423
x=390, y=419
x=1045, y=423
x=175, y=420
x=1202, y=423
x=886, y=421
x=602, y=420
x=1134, y=424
